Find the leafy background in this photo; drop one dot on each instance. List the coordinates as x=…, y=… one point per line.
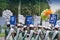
x=28, y=7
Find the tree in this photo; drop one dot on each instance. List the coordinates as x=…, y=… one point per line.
x=58, y=13
x=3, y=6
x=28, y=7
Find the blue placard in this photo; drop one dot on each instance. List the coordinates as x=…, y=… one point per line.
x=29, y=20
x=13, y=20
x=53, y=19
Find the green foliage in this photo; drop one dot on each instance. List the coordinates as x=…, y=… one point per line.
x=28, y=7
x=44, y=5
x=3, y=5
x=58, y=13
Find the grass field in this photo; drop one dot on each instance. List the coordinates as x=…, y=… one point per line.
x=2, y=34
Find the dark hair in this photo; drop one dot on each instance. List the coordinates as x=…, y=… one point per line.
x=8, y=25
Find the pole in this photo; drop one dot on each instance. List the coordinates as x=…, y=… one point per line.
x=19, y=7
x=40, y=12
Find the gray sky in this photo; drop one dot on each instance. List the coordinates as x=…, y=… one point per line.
x=54, y=4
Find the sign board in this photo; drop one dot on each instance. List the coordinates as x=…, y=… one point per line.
x=53, y=19
x=21, y=19
x=2, y=21
x=13, y=20
x=45, y=23
x=37, y=20
x=58, y=23
x=29, y=20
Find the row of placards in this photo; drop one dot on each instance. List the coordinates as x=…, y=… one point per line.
x=30, y=20
x=8, y=15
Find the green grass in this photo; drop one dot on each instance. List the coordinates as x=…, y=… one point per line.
x=2, y=34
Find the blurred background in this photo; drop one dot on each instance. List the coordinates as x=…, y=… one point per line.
x=26, y=7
